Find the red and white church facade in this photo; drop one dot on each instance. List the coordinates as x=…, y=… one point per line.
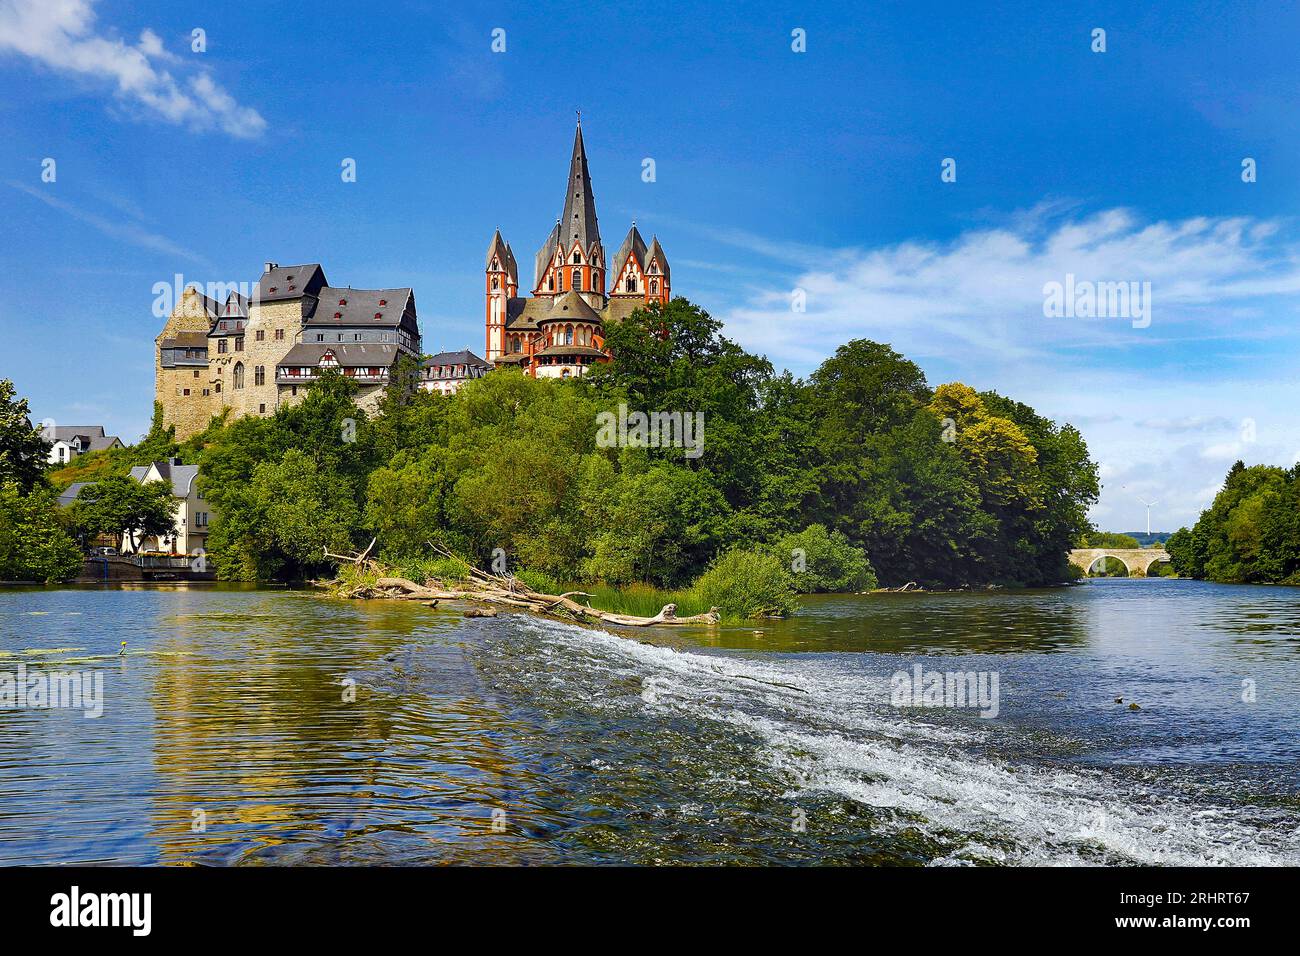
x=558, y=329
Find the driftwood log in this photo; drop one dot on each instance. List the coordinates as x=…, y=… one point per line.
x=496, y=589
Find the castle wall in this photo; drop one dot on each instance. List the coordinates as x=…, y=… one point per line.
x=268, y=318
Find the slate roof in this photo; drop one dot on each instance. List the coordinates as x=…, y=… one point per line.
x=355, y=355
x=463, y=357
x=578, y=221
x=181, y=476
x=532, y=313
x=657, y=251
x=236, y=307
x=358, y=307
x=92, y=436
x=634, y=246
x=290, y=282
x=545, y=254
x=186, y=340
x=71, y=493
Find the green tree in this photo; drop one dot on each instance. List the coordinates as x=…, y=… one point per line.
x=119, y=505
x=824, y=561
x=23, y=449
x=33, y=544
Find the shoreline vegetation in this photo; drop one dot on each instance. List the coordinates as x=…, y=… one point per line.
x=365, y=578
x=858, y=477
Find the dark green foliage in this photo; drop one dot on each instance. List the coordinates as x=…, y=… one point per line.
x=856, y=462
x=33, y=544
x=1250, y=533
x=23, y=449
x=118, y=505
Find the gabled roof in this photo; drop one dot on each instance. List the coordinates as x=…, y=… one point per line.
x=181, y=476
x=290, y=282
x=634, y=246
x=186, y=340
x=236, y=307
x=358, y=307
x=545, y=254
x=68, y=432
x=463, y=357
x=348, y=355
x=657, y=251
x=531, y=313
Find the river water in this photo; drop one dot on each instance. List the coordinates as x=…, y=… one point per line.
x=255, y=727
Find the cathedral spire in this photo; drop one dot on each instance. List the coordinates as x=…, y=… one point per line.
x=578, y=221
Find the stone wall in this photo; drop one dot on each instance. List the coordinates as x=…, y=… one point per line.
x=268, y=319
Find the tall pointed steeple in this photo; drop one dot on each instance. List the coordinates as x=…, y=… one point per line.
x=578, y=220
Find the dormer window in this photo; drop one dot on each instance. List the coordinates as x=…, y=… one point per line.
x=343, y=301
x=338, y=315
x=273, y=288
x=383, y=302
x=379, y=315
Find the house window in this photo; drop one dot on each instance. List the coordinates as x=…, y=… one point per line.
x=259, y=375
x=239, y=343
x=185, y=391
x=261, y=335
x=217, y=388
x=239, y=375
x=261, y=409
x=320, y=336
x=196, y=373
x=221, y=346
x=279, y=335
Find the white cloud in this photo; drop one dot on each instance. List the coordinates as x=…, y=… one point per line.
x=61, y=35
x=981, y=295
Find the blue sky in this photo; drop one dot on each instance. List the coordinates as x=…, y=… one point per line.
x=775, y=171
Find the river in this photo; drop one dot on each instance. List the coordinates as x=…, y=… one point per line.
x=255, y=727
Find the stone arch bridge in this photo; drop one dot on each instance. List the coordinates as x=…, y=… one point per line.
x=1137, y=561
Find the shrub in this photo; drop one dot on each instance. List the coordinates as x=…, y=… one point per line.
x=746, y=584
x=541, y=582
x=824, y=561
x=444, y=569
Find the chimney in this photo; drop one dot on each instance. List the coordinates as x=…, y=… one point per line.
x=269, y=266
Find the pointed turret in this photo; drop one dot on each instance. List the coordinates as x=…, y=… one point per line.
x=578, y=221
x=658, y=275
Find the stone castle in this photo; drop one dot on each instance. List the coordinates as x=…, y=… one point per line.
x=252, y=353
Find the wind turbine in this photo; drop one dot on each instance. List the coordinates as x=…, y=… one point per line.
x=1148, y=504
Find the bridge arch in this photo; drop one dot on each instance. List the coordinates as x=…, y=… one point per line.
x=1137, y=561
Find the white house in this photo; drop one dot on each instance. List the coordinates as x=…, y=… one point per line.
x=193, y=513
x=69, y=441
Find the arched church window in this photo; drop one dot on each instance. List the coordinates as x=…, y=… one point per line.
x=496, y=282
x=239, y=375
x=568, y=335
x=654, y=286
x=577, y=257
x=631, y=283
x=550, y=283
x=577, y=278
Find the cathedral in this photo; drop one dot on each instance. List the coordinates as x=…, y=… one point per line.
x=249, y=351
x=558, y=329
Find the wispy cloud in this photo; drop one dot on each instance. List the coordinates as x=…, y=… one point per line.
x=981, y=295
x=61, y=35
x=121, y=229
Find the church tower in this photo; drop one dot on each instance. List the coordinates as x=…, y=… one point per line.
x=502, y=285
x=572, y=258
